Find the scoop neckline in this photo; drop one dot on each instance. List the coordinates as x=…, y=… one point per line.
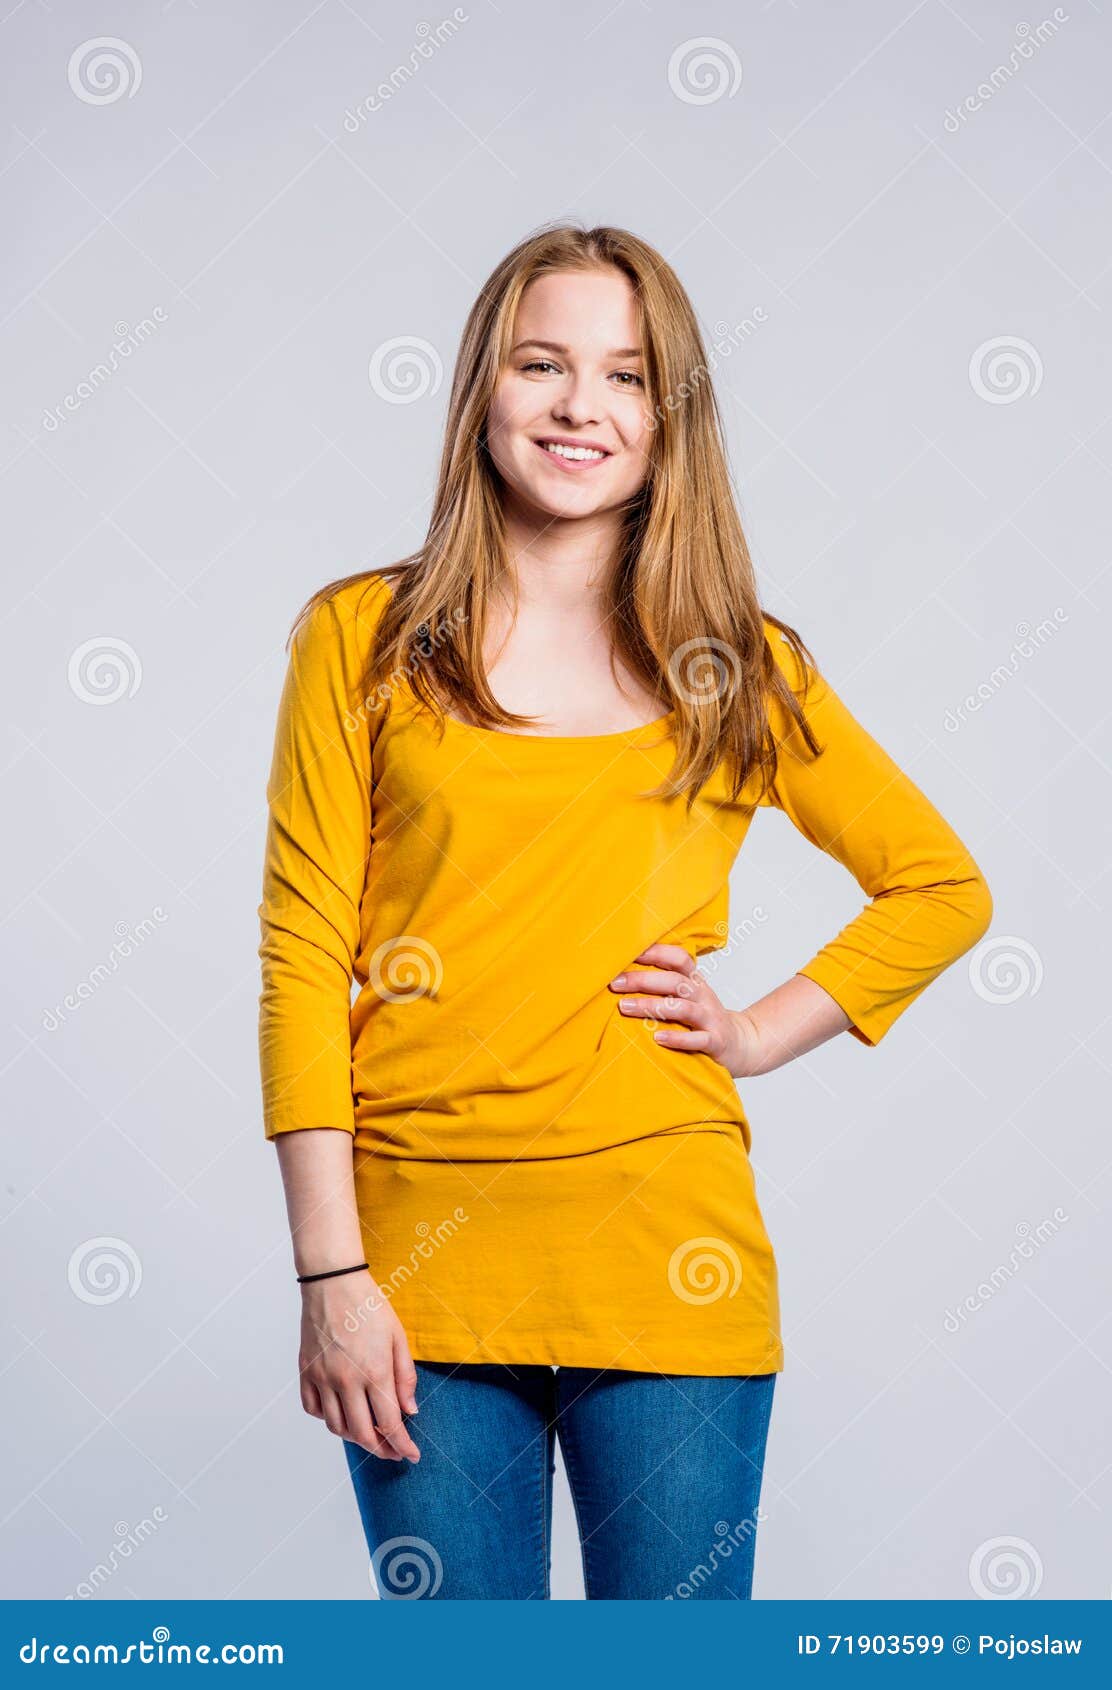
x=562, y=739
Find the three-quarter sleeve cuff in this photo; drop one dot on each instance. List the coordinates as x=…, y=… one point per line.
x=869, y=1020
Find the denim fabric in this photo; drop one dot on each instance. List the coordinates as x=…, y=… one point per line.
x=665, y=1474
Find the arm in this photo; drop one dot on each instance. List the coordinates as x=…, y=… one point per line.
x=355, y=1363
x=928, y=901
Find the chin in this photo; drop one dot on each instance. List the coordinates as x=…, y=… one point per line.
x=573, y=504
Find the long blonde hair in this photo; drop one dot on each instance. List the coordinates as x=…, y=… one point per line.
x=682, y=597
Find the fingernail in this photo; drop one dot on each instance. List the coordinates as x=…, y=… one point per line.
x=618, y=982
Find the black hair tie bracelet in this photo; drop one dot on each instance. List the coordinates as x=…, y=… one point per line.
x=333, y=1273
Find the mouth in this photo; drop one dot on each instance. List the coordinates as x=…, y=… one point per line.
x=573, y=455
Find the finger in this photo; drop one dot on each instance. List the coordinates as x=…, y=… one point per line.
x=668, y=956
x=405, y=1375
x=310, y=1398
x=665, y=981
x=332, y=1411
x=361, y=1429
x=388, y=1417
x=687, y=1010
x=679, y=1038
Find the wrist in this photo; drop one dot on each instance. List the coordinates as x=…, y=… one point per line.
x=345, y=1303
x=744, y=1054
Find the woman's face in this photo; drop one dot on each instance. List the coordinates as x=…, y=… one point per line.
x=568, y=428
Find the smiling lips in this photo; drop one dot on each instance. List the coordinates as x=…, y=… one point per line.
x=572, y=455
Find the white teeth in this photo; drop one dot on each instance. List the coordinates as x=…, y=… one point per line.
x=577, y=453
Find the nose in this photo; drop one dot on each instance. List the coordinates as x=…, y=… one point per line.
x=576, y=404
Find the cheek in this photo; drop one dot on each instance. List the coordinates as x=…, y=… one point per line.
x=497, y=417
x=509, y=416
x=640, y=438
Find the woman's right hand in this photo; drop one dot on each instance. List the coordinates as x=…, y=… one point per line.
x=357, y=1374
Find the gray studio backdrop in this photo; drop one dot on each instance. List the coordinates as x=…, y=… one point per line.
x=242, y=243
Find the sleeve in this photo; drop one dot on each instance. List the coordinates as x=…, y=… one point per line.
x=929, y=902
x=314, y=871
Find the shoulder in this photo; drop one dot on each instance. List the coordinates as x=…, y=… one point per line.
x=354, y=604
x=339, y=621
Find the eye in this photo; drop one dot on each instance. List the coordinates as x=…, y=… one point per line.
x=538, y=364
x=628, y=378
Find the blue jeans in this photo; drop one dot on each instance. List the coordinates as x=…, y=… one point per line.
x=665, y=1473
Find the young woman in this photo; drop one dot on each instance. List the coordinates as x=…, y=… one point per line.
x=511, y=776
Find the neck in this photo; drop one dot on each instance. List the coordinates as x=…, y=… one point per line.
x=560, y=561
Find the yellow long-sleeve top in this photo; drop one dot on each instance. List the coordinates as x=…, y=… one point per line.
x=538, y=1180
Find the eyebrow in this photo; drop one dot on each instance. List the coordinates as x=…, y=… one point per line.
x=552, y=346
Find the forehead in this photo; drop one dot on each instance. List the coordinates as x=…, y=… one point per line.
x=591, y=310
